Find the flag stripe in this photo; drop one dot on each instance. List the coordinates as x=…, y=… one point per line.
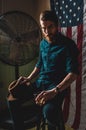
x=79, y=79
x=72, y=104
x=69, y=32
x=74, y=34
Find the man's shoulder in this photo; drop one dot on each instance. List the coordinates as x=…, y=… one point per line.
x=43, y=42
x=69, y=43
x=65, y=40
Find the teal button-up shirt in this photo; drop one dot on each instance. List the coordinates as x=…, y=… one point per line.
x=55, y=61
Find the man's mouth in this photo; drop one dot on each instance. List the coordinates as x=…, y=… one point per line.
x=49, y=35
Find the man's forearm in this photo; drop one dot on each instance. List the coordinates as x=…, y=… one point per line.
x=34, y=73
x=65, y=83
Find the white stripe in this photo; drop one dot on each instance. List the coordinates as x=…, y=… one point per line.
x=64, y=31
x=72, y=109
x=74, y=34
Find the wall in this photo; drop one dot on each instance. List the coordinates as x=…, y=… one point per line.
x=7, y=72
x=33, y=7
x=42, y=5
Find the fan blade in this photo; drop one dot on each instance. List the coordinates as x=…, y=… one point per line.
x=30, y=35
x=4, y=26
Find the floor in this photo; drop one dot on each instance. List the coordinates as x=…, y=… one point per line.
x=67, y=128
x=27, y=129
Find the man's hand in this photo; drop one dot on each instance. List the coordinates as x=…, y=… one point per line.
x=23, y=80
x=44, y=96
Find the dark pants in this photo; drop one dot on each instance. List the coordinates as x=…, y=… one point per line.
x=52, y=110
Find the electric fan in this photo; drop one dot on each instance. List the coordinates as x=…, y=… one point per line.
x=20, y=36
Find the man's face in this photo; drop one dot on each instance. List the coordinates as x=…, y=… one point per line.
x=49, y=30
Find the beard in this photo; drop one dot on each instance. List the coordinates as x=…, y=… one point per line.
x=50, y=38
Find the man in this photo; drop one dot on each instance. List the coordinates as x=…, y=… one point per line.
x=57, y=68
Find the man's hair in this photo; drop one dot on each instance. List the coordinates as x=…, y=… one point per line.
x=49, y=15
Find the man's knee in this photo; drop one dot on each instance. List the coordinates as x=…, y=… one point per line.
x=49, y=113
x=52, y=114
x=46, y=111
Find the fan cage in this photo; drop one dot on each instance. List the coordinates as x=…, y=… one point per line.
x=20, y=36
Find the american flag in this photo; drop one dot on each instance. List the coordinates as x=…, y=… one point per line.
x=72, y=19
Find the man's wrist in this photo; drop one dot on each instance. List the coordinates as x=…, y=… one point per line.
x=57, y=90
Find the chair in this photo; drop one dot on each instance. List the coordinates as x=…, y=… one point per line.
x=31, y=118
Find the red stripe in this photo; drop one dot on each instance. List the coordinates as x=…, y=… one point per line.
x=79, y=79
x=69, y=32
